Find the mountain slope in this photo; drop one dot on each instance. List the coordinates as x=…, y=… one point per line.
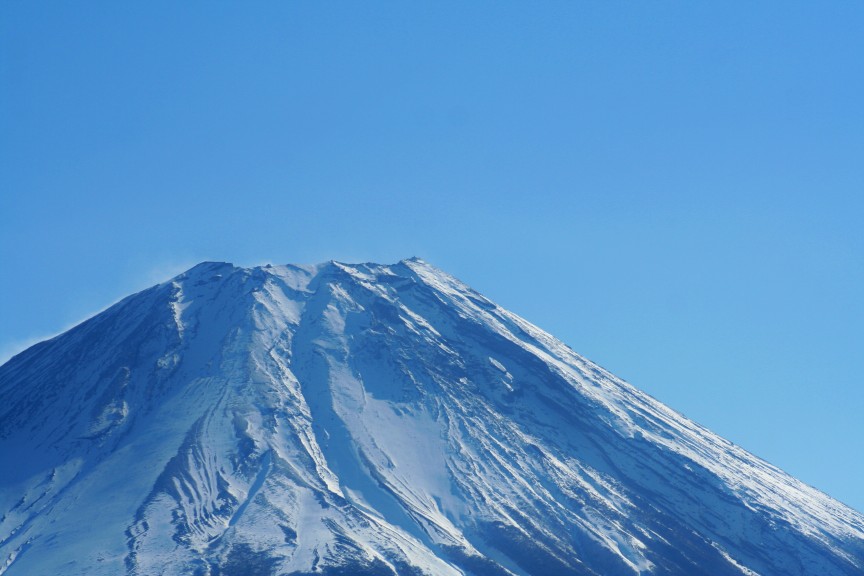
x=370, y=419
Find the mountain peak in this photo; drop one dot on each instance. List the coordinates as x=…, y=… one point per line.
x=208, y=266
x=371, y=419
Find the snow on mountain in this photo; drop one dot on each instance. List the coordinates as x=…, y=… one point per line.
x=371, y=420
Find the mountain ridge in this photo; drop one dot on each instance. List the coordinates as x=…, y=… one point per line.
x=378, y=418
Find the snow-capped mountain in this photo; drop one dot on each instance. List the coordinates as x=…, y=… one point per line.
x=371, y=420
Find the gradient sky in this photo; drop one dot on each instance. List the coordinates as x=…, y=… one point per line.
x=675, y=189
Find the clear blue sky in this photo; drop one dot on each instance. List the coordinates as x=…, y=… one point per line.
x=674, y=189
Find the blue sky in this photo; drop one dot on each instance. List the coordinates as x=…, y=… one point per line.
x=674, y=189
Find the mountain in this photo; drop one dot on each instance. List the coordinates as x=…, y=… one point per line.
x=371, y=420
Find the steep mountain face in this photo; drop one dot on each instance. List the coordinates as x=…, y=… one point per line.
x=371, y=420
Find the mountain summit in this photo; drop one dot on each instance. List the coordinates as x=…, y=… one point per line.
x=371, y=420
